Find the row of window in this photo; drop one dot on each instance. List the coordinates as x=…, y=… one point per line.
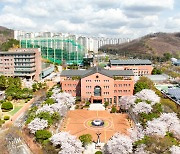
x=120, y=91
x=22, y=55
x=97, y=80
x=8, y=64
x=23, y=64
x=120, y=85
x=70, y=91
x=22, y=60
x=70, y=85
x=6, y=59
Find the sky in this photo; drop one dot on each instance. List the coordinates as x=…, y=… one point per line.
x=100, y=18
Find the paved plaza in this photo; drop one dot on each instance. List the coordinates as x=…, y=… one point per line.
x=78, y=122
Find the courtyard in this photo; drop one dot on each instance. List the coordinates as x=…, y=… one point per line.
x=78, y=122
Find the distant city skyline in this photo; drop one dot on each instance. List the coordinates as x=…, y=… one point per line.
x=100, y=18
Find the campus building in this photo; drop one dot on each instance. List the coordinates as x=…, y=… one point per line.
x=21, y=63
x=140, y=67
x=98, y=85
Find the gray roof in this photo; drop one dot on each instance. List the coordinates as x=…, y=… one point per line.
x=162, y=77
x=130, y=62
x=174, y=92
x=93, y=70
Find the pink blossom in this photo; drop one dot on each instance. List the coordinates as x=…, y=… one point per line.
x=142, y=107
x=119, y=144
x=37, y=124
x=69, y=144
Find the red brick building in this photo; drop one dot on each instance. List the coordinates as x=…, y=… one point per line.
x=98, y=85
x=140, y=67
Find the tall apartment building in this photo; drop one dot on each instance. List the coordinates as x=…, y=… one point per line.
x=139, y=67
x=24, y=63
x=110, y=41
x=98, y=85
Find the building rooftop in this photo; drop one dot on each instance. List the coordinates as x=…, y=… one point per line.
x=162, y=77
x=19, y=51
x=175, y=93
x=130, y=62
x=93, y=70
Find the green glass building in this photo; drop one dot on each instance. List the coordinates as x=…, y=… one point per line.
x=57, y=49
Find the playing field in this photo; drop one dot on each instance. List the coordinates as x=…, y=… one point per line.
x=78, y=122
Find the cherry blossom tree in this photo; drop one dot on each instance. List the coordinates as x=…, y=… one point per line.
x=136, y=133
x=64, y=98
x=142, y=107
x=149, y=95
x=175, y=149
x=37, y=124
x=141, y=149
x=119, y=144
x=172, y=122
x=56, y=90
x=45, y=108
x=156, y=127
x=68, y=143
x=127, y=101
x=60, y=108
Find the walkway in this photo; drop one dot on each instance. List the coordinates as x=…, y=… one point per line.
x=97, y=107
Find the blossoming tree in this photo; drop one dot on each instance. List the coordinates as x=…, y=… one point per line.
x=37, y=124
x=68, y=143
x=119, y=144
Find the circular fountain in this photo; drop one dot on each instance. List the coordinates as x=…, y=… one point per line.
x=97, y=122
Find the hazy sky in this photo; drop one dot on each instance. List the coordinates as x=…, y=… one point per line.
x=112, y=18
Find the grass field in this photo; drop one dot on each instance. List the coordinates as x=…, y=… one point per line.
x=16, y=109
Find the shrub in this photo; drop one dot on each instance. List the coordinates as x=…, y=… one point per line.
x=7, y=106
x=85, y=139
x=113, y=110
x=42, y=135
x=87, y=103
x=106, y=104
x=98, y=152
x=6, y=117
x=77, y=107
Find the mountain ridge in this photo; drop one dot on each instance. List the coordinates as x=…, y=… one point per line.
x=147, y=46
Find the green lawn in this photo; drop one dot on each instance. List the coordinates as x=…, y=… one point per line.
x=16, y=109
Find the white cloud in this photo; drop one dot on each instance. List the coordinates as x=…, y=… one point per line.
x=173, y=22
x=144, y=22
x=144, y=5
x=14, y=21
x=10, y=1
